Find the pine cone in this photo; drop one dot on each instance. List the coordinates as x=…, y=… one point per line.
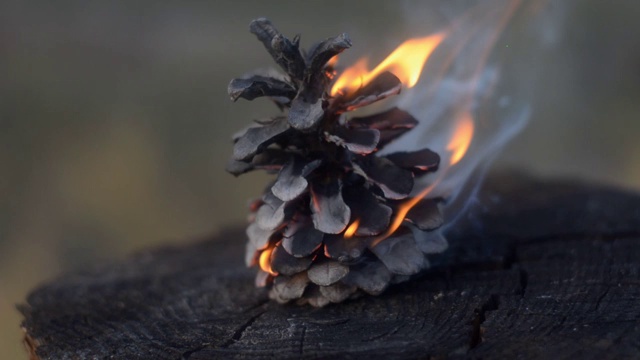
x=318, y=232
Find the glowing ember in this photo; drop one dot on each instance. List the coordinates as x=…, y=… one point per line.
x=405, y=62
x=265, y=261
x=351, y=229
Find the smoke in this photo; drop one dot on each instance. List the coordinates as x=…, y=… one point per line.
x=465, y=78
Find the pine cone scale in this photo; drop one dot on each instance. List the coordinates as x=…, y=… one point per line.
x=317, y=233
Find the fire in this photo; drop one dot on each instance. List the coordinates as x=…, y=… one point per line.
x=457, y=146
x=265, y=261
x=459, y=143
x=351, y=229
x=351, y=78
x=405, y=62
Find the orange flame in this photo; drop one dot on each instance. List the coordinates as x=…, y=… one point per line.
x=457, y=146
x=351, y=78
x=351, y=229
x=405, y=62
x=265, y=261
x=459, y=143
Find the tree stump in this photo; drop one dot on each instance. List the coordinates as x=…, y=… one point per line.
x=536, y=269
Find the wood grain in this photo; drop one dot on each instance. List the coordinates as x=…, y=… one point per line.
x=536, y=269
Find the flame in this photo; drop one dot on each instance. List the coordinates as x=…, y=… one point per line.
x=351, y=229
x=405, y=62
x=457, y=146
x=265, y=261
x=351, y=77
x=459, y=143
x=486, y=25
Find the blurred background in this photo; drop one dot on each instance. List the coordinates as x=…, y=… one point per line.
x=115, y=121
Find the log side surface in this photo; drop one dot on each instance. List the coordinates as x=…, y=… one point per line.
x=536, y=269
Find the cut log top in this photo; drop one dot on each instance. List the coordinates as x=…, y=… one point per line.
x=536, y=269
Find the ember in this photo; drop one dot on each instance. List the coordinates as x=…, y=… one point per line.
x=339, y=220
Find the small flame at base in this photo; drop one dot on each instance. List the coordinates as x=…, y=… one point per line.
x=351, y=230
x=265, y=261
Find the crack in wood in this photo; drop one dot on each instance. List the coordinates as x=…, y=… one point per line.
x=237, y=334
x=587, y=254
x=492, y=304
x=187, y=354
x=385, y=334
x=301, y=348
x=601, y=297
x=326, y=322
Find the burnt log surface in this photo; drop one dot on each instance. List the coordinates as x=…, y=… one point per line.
x=536, y=269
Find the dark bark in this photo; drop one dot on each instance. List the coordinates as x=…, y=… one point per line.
x=539, y=269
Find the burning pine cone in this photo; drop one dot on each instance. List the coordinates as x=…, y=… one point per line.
x=334, y=223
